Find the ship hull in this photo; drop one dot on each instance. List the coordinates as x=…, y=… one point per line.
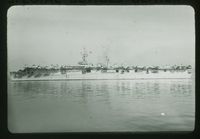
x=97, y=75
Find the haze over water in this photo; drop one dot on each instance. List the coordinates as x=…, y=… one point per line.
x=101, y=105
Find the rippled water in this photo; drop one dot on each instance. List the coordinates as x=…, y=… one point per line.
x=101, y=105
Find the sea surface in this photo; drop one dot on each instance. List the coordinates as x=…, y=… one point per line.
x=101, y=106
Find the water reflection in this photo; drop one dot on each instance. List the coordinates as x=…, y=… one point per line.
x=181, y=89
x=100, y=89
x=103, y=104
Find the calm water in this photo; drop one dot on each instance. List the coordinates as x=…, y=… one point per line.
x=101, y=105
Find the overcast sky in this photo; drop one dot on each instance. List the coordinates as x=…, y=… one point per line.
x=133, y=35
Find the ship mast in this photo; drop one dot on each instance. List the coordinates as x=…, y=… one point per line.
x=84, y=55
x=107, y=60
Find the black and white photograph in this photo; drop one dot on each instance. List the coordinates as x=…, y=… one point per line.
x=100, y=68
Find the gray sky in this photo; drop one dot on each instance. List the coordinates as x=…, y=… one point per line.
x=133, y=35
